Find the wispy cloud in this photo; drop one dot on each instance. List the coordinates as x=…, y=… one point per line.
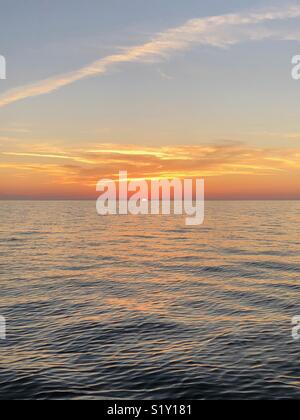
x=164, y=75
x=47, y=156
x=218, y=31
x=15, y=130
x=231, y=169
x=165, y=162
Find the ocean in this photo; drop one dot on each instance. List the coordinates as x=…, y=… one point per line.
x=143, y=307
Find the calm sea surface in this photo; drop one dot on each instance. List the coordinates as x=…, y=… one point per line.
x=146, y=308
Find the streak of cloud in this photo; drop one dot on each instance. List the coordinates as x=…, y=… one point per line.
x=231, y=170
x=47, y=156
x=218, y=31
x=166, y=161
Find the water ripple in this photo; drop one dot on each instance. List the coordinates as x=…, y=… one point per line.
x=144, y=308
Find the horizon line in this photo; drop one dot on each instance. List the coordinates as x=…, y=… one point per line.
x=92, y=199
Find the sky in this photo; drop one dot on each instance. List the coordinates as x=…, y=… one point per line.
x=160, y=88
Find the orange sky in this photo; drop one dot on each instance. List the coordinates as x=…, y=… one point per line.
x=125, y=90
x=231, y=170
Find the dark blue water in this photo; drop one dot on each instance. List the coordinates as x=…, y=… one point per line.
x=146, y=308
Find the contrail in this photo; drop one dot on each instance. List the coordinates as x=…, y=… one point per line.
x=206, y=31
